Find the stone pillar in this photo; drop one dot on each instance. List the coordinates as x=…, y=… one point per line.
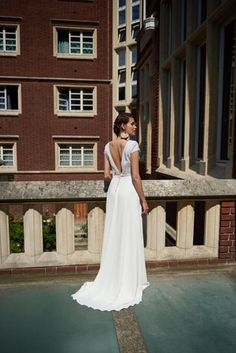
x=185, y=225
x=33, y=232
x=212, y=224
x=4, y=234
x=173, y=114
x=156, y=221
x=65, y=239
x=184, y=163
x=95, y=230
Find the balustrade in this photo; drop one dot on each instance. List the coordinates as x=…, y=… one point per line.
x=165, y=241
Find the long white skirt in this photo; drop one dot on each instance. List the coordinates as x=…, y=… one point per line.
x=122, y=275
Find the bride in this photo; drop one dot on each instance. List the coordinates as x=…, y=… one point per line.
x=122, y=276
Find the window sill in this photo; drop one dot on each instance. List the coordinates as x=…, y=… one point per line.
x=9, y=113
x=75, y=115
x=76, y=57
x=7, y=170
x=75, y=170
x=9, y=54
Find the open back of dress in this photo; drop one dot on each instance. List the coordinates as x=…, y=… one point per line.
x=122, y=275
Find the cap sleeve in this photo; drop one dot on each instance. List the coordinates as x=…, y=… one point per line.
x=135, y=147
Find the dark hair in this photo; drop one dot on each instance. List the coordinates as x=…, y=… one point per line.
x=122, y=118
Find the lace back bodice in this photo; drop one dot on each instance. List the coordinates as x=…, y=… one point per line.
x=130, y=147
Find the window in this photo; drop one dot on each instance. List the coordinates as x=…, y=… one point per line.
x=135, y=18
x=135, y=11
x=9, y=100
x=135, y=30
x=183, y=19
x=201, y=89
x=134, y=54
x=227, y=102
x=202, y=10
x=121, y=74
x=7, y=157
x=121, y=84
x=75, y=43
x=166, y=114
x=9, y=40
x=121, y=20
x=76, y=155
x=76, y=101
x=181, y=113
x=134, y=82
x=122, y=34
x=121, y=12
x=133, y=72
x=121, y=58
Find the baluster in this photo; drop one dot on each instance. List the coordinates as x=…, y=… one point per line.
x=65, y=239
x=212, y=224
x=156, y=228
x=185, y=224
x=4, y=234
x=33, y=231
x=95, y=230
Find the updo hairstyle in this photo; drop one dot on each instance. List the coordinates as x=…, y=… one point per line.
x=122, y=118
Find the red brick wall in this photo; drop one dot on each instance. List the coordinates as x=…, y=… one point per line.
x=227, y=231
x=37, y=123
x=36, y=38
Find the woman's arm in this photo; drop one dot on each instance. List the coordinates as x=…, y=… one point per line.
x=107, y=168
x=134, y=159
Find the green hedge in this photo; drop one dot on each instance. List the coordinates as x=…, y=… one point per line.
x=16, y=230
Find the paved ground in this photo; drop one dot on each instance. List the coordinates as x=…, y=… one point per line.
x=182, y=311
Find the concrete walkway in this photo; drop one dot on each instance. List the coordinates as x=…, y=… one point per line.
x=182, y=311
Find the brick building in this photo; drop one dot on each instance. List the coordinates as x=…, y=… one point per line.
x=55, y=88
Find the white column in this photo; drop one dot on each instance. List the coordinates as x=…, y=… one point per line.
x=95, y=230
x=65, y=231
x=33, y=232
x=212, y=224
x=4, y=234
x=156, y=220
x=185, y=224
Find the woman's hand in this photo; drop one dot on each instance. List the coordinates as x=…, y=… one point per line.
x=145, y=207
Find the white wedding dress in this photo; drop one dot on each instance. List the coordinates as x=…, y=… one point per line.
x=122, y=276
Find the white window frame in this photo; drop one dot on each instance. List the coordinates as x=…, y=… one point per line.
x=11, y=112
x=134, y=82
x=4, y=168
x=5, y=52
x=121, y=68
x=121, y=8
x=85, y=113
x=73, y=55
x=133, y=69
x=72, y=168
x=135, y=3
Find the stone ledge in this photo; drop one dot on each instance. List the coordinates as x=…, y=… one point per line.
x=93, y=190
x=93, y=268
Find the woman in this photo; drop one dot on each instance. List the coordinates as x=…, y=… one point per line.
x=122, y=275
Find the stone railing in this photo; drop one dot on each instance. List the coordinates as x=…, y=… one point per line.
x=179, y=210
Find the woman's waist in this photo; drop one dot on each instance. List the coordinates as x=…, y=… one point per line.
x=122, y=175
